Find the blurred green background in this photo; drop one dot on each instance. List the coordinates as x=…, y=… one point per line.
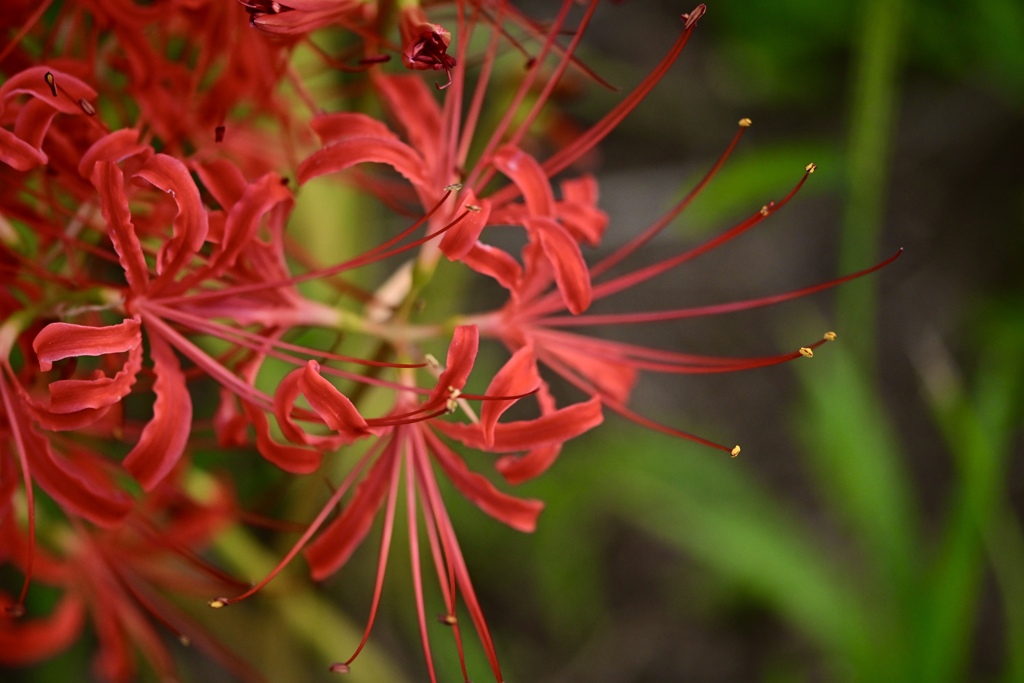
x=871, y=529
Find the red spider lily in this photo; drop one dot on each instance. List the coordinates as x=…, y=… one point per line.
x=408, y=442
x=425, y=45
x=119, y=577
x=529, y=323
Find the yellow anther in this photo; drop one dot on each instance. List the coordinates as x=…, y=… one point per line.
x=447, y=619
x=51, y=82
x=811, y=168
x=217, y=603
x=764, y=210
x=184, y=640
x=454, y=187
x=806, y=352
x=735, y=451
x=87, y=107
x=452, y=403
x=745, y=122
x=830, y=336
x=473, y=207
x=431, y=361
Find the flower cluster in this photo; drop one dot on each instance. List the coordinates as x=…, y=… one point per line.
x=159, y=300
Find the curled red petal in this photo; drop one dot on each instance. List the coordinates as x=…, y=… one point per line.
x=461, y=357
x=518, y=513
x=109, y=182
x=190, y=225
x=115, y=147
x=352, y=151
x=518, y=376
x=551, y=429
x=331, y=405
x=18, y=154
x=79, y=395
x=529, y=177
x=333, y=128
x=164, y=438
x=32, y=81
x=578, y=210
x=521, y=468
x=458, y=241
x=293, y=459
x=416, y=110
x=57, y=341
x=563, y=252
x=496, y=263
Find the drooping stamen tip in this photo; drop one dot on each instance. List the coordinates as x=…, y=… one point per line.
x=806, y=352
x=447, y=619
x=339, y=668
x=811, y=167
x=87, y=107
x=745, y=122
x=829, y=336
x=690, y=19
x=735, y=451
x=50, y=81
x=217, y=603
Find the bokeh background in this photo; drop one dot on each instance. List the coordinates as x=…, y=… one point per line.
x=871, y=529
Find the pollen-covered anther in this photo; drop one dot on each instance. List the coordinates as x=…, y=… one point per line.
x=829, y=336
x=691, y=18
x=184, y=640
x=811, y=168
x=447, y=619
x=453, y=399
x=764, y=210
x=217, y=603
x=473, y=207
x=339, y=668
x=745, y=122
x=806, y=352
x=432, y=361
x=50, y=81
x=735, y=451
x=87, y=107
x=454, y=187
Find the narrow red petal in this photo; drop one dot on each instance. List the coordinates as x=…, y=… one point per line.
x=518, y=376
x=562, y=250
x=24, y=642
x=554, y=428
x=333, y=407
x=521, y=468
x=57, y=341
x=75, y=395
x=458, y=241
x=109, y=182
x=338, y=541
x=164, y=438
x=515, y=512
x=529, y=177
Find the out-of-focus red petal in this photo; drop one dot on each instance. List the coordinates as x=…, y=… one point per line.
x=32, y=81
x=331, y=405
x=521, y=468
x=78, y=488
x=352, y=151
x=518, y=513
x=578, y=210
x=411, y=103
x=17, y=153
x=563, y=252
x=518, y=376
x=495, y=263
x=164, y=438
x=223, y=179
x=551, y=429
x=458, y=241
x=114, y=147
x=335, y=544
x=109, y=182
x=333, y=128
x=28, y=641
x=612, y=378
x=529, y=177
